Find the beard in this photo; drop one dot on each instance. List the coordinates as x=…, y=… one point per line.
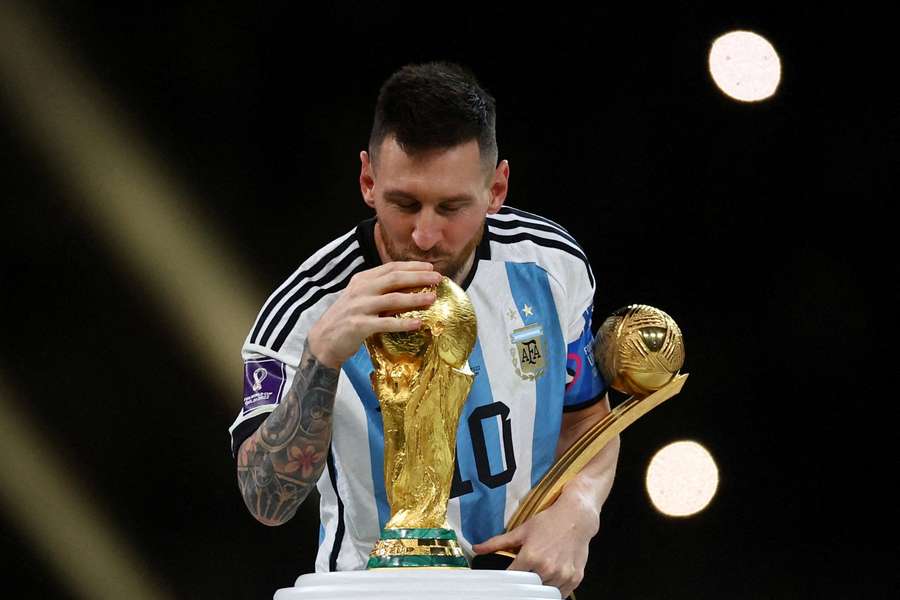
x=445, y=263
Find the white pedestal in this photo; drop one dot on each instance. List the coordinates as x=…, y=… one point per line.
x=419, y=584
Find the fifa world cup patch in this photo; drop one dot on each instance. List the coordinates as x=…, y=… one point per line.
x=528, y=351
x=263, y=383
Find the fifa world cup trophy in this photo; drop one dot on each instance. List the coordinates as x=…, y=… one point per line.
x=422, y=379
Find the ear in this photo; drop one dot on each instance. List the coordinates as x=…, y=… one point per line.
x=366, y=179
x=499, y=187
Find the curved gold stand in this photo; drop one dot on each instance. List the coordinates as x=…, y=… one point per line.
x=584, y=449
x=587, y=446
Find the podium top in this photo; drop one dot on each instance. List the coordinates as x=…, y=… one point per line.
x=418, y=583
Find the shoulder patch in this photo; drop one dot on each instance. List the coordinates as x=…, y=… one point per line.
x=263, y=383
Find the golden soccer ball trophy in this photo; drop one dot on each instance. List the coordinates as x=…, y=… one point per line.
x=639, y=349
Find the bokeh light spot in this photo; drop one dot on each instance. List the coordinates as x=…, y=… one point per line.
x=745, y=66
x=682, y=479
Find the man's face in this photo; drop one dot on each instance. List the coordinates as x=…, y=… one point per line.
x=432, y=207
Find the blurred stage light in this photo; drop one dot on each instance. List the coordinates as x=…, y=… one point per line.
x=745, y=66
x=51, y=508
x=682, y=479
x=124, y=190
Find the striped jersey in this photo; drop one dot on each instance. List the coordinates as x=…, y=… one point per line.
x=532, y=289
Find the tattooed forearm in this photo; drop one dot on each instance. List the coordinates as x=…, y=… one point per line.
x=280, y=463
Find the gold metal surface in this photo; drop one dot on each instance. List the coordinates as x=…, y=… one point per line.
x=639, y=351
x=586, y=447
x=388, y=548
x=422, y=379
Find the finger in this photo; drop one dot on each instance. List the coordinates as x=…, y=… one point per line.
x=554, y=578
x=490, y=544
x=392, y=324
x=504, y=541
x=550, y=572
x=403, y=265
x=399, y=280
x=365, y=278
x=566, y=579
x=523, y=562
x=569, y=588
x=398, y=302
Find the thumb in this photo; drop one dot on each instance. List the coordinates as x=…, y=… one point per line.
x=504, y=541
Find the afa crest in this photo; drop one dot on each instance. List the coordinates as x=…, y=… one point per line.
x=528, y=351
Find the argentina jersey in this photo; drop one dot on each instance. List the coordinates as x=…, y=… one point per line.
x=532, y=289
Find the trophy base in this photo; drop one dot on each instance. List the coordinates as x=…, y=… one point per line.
x=416, y=584
x=417, y=548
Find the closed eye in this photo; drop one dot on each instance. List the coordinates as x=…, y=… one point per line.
x=406, y=205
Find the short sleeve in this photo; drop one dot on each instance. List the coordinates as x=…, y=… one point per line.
x=274, y=345
x=584, y=384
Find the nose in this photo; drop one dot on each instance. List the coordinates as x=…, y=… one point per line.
x=427, y=231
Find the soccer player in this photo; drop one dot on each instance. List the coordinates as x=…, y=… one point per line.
x=310, y=416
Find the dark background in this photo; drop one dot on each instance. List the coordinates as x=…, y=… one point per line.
x=763, y=229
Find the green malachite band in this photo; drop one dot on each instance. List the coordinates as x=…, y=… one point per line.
x=417, y=534
x=376, y=562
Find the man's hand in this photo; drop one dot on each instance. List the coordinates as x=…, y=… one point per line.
x=552, y=543
x=357, y=313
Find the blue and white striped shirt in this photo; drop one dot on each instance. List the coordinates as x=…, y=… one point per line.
x=532, y=289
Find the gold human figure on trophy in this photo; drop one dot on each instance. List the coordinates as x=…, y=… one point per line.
x=422, y=379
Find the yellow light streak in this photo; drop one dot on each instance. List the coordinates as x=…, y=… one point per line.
x=51, y=508
x=129, y=197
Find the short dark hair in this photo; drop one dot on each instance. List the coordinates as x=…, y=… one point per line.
x=435, y=105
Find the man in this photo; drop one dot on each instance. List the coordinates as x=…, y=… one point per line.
x=310, y=417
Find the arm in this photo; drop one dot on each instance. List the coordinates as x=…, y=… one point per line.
x=281, y=462
x=554, y=543
x=593, y=483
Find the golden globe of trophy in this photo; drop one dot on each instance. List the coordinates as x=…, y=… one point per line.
x=639, y=349
x=422, y=379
